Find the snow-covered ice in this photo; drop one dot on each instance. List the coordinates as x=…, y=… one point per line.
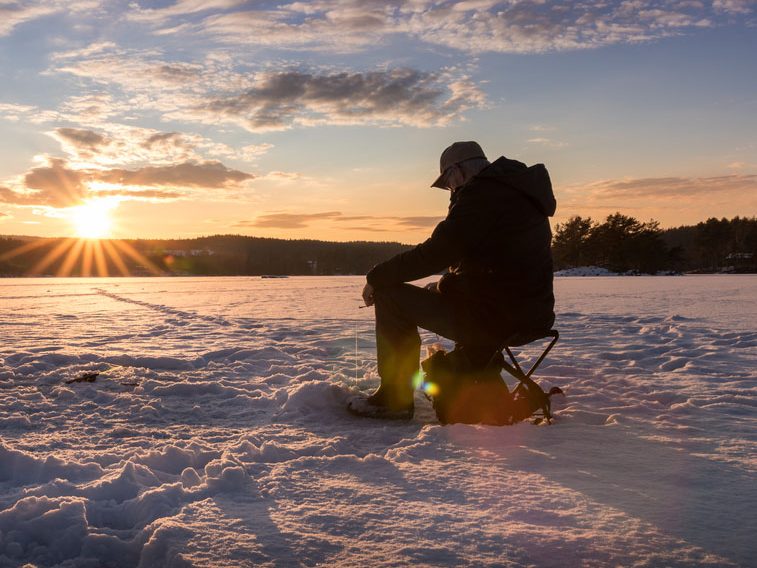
x=216, y=434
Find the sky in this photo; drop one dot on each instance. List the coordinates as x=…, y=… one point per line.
x=326, y=119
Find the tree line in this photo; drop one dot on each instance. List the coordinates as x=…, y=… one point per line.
x=624, y=244
x=218, y=255
x=620, y=243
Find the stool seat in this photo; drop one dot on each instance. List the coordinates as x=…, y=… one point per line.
x=524, y=337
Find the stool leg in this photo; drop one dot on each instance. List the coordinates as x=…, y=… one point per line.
x=527, y=382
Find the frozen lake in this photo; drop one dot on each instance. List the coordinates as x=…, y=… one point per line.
x=216, y=433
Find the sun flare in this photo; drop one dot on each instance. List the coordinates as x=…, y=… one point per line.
x=93, y=220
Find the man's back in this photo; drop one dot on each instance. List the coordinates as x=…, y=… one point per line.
x=507, y=259
x=496, y=242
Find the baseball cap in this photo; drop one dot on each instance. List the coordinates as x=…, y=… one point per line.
x=454, y=154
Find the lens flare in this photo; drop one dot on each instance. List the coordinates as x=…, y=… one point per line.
x=418, y=380
x=431, y=389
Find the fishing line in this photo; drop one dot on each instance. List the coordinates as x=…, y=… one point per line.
x=356, y=324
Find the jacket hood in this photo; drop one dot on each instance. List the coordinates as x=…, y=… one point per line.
x=532, y=181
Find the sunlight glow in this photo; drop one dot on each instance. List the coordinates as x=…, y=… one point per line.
x=93, y=219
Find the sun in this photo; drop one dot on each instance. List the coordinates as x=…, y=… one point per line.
x=93, y=220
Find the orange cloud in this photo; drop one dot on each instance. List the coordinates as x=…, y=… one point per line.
x=368, y=222
x=210, y=174
x=55, y=185
x=668, y=187
x=59, y=185
x=288, y=220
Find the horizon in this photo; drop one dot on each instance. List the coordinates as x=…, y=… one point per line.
x=325, y=121
x=254, y=236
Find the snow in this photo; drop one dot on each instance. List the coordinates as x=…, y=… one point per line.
x=216, y=433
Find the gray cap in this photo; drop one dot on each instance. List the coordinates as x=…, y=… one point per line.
x=454, y=154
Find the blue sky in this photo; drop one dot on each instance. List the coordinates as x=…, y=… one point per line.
x=325, y=119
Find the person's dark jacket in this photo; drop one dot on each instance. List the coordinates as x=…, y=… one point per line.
x=496, y=242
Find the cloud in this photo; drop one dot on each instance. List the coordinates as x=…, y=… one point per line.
x=16, y=13
x=133, y=70
x=60, y=185
x=280, y=100
x=737, y=191
x=417, y=222
x=336, y=26
x=288, y=220
x=476, y=26
x=368, y=222
x=79, y=141
x=16, y=112
x=211, y=174
x=4, y=215
x=179, y=8
x=86, y=51
x=55, y=185
x=393, y=223
x=523, y=26
x=140, y=194
x=163, y=139
x=536, y=26
x=214, y=91
x=121, y=145
x=254, y=151
x=91, y=108
x=739, y=166
x=668, y=187
x=734, y=6
x=123, y=154
x=547, y=142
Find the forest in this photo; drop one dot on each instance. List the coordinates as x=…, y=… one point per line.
x=624, y=244
x=619, y=243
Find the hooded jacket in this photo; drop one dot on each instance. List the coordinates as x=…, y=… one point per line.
x=495, y=241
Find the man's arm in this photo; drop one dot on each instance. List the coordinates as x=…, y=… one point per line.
x=425, y=259
x=464, y=226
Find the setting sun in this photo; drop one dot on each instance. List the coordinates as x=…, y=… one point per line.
x=93, y=219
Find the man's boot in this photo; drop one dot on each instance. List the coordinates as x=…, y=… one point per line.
x=384, y=404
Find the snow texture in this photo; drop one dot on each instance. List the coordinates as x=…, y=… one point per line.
x=216, y=432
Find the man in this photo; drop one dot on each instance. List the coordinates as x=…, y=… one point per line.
x=496, y=242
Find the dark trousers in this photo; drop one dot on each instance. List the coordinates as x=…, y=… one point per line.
x=400, y=311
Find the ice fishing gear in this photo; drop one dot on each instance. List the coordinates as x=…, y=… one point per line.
x=466, y=386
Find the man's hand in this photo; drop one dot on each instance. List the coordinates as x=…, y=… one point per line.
x=432, y=286
x=368, y=295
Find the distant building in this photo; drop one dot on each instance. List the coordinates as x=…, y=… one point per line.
x=739, y=262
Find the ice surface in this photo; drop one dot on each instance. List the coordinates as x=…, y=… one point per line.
x=216, y=433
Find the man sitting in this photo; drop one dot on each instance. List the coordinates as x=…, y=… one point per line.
x=495, y=241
